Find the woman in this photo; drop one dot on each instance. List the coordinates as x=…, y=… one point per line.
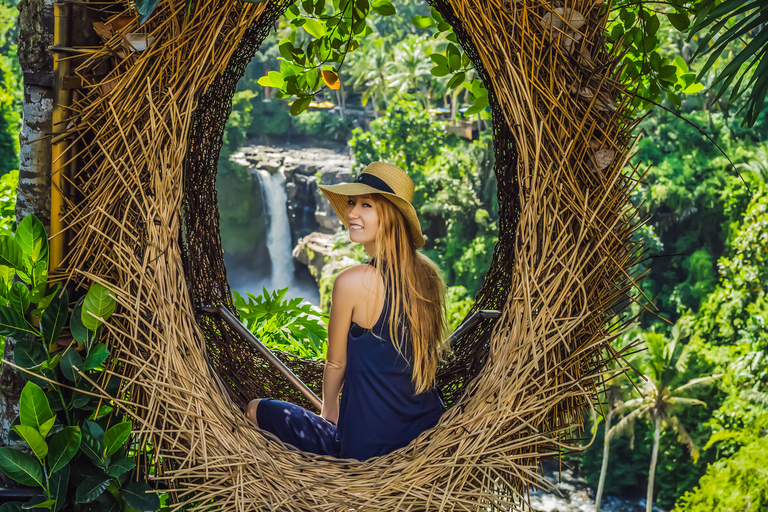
x=384, y=332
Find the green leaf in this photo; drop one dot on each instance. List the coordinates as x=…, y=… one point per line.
x=55, y=317
x=69, y=361
x=57, y=484
x=115, y=437
x=76, y=327
x=30, y=354
x=135, y=496
x=383, y=8
x=33, y=438
x=19, y=297
x=479, y=105
x=314, y=28
x=42, y=300
x=46, y=427
x=11, y=506
x=34, y=410
x=32, y=238
x=286, y=50
x=145, y=8
x=300, y=105
x=457, y=80
x=21, y=467
x=63, y=447
x=98, y=306
x=439, y=59
x=98, y=355
x=121, y=466
x=108, y=503
x=679, y=20
x=10, y=253
x=264, y=82
x=12, y=323
x=439, y=71
x=91, y=488
x=423, y=21
x=93, y=441
x=33, y=504
x=6, y=274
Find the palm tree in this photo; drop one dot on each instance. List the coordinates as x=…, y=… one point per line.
x=368, y=69
x=618, y=388
x=410, y=68
x=663, y=396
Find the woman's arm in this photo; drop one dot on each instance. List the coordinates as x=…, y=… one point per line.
x=343, y=299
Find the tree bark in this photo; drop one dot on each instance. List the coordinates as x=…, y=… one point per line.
x=604, y=466
x=35, y=36
x=652, y=471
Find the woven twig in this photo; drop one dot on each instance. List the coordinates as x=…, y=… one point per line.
x=147, y=151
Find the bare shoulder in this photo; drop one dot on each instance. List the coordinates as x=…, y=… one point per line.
x=355, y=284
x=354, y=278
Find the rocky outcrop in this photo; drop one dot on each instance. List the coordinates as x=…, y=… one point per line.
x=304, y=168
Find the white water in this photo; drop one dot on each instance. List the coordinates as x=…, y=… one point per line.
x=279, y=230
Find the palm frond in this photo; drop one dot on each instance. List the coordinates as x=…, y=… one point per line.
x=701, y=381
x=678, y=400
x=755, y=24
x=684, y=437
x=627, y=423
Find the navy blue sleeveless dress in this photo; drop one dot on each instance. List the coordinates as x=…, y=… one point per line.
x=379, y=410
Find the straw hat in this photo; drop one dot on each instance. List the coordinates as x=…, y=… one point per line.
x=379, y=178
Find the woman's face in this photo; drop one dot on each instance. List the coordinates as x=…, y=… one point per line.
x=363, y=220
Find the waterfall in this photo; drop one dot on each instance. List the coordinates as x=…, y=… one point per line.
x=279, y=231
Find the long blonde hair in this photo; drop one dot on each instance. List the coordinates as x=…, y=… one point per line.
x=417, y=293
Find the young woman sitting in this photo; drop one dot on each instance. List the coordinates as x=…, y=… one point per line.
x=385, y=332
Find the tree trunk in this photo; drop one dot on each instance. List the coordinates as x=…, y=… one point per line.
x=604, y=466
x=35, y=36
x=652, y=471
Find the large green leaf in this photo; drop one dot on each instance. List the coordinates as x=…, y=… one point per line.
x=76, y=327
x=12, y=323
x=98, y=355
x=40, y=279
x=98, y=306
x=57, y=484
x=108, y=503
x=136, y=496
x=30, y=354
x=19, y=297
x=91, y=489
x=38, y=503
x=34, y=410
x=11, y=506
x=115, y=437
x=93, y=441
x=21, y=467
x=71, y=361
x=10, y=252
x=63, y=447
x=120, y=466
x=34, y=440
x=55, y=317
x=32, y=238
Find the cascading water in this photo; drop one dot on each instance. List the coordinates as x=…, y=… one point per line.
x=273, y=194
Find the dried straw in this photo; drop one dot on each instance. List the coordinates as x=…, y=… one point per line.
x=146, y=149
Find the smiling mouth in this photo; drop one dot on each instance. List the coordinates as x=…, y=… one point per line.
x=355, y=226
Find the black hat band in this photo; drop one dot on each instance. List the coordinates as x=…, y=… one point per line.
x=375, y=182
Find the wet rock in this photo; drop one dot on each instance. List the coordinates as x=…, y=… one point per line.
x=304, y=169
